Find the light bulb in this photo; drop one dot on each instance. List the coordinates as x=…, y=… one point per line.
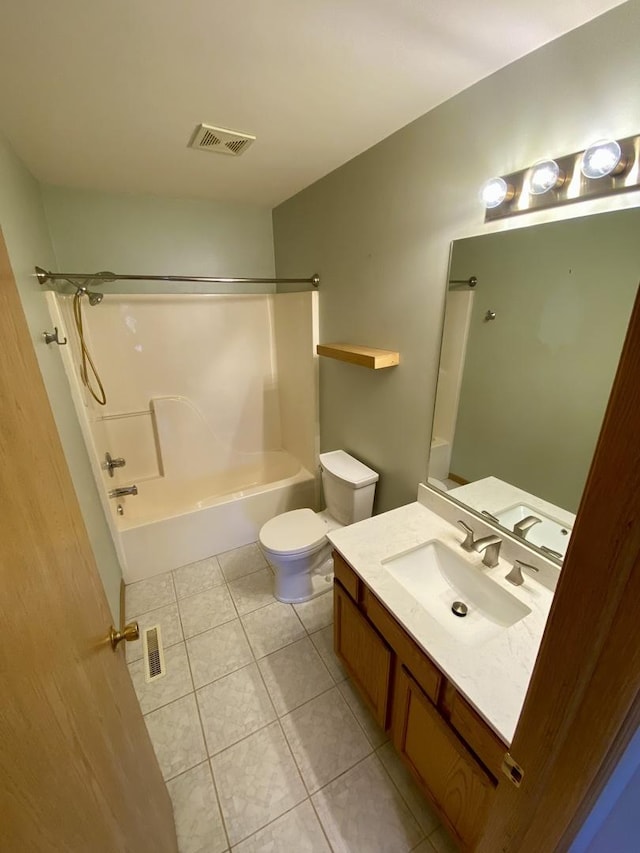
x=495, y=191
x=545, y=175
x=602, y=158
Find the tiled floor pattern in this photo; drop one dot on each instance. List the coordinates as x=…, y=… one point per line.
x=265, y=745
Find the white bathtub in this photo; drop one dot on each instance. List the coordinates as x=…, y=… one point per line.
x=172, y=522
x=206, y=475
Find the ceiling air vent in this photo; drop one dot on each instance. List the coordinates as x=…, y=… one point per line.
x=209, y=138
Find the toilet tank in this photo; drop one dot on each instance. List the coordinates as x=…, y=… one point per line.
x=348, y=486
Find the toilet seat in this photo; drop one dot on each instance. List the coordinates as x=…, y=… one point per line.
x=294, y=533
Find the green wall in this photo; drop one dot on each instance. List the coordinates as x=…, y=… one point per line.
x=537, y=378
x=379, y=229
x=26, y=234
x=143, y=234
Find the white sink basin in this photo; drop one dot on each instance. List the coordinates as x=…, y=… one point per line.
x=549, y=532
x=436, y=577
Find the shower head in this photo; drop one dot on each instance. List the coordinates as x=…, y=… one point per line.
x=95, y=298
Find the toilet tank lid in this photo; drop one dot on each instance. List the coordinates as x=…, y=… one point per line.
x=346, y=468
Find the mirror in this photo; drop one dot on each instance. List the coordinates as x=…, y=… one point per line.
x=527, y=362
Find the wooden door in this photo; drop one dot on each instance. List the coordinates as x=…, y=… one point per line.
x=583, y=702
x=363, y=651
x=77, y=769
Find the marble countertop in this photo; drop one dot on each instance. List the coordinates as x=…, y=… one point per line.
x=493, y=675
x=494, y=495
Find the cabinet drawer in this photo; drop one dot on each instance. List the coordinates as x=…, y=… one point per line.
x=443, y=766
x=348, y=578
x=365, y=654
x=423, y=670
x=473, y=729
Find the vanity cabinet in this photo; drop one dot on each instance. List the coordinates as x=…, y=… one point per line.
x=444, y=767
x=365, y=653
x=451, y=752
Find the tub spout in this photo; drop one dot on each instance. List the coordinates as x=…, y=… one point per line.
x=124, y=490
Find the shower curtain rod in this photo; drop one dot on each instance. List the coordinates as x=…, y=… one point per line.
x=45, y=276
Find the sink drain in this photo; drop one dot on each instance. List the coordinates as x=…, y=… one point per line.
x=459, y=608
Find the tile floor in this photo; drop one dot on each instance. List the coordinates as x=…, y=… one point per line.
x=264, y=743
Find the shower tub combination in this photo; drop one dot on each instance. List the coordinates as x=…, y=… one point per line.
x=202, y=486
x=170, y=523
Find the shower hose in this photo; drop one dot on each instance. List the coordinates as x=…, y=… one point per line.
x=99, y=396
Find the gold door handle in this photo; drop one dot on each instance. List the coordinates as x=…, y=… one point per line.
x=129, y=632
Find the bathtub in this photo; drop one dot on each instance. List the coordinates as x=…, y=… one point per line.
x=206, y=475
x=172, y=522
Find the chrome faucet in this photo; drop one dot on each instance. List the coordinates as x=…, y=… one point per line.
x=489, y=544
x=490, y=517
x=521, y=528
x=123, y=491
x=551, y=552
x=515, y=575
x=469, y=541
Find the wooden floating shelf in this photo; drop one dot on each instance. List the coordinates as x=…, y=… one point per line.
x=375, y=359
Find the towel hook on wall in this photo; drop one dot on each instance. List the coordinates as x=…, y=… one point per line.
x=53, y=338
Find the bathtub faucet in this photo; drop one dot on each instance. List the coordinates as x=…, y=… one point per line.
x=124, y=490
x=110, y=464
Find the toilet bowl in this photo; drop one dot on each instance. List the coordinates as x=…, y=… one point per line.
x=296, y=544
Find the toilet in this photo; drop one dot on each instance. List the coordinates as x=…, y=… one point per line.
x=296, y=544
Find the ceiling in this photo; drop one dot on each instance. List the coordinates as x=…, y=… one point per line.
x=105, y=95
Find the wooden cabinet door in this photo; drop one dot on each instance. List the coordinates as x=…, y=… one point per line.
x=442, y=764
x=364, y=653
x=77, y=769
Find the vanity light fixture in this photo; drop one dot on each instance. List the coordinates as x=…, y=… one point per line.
x=606, y=167
x=545, y=175
x=495, y=192
x=603, y=158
